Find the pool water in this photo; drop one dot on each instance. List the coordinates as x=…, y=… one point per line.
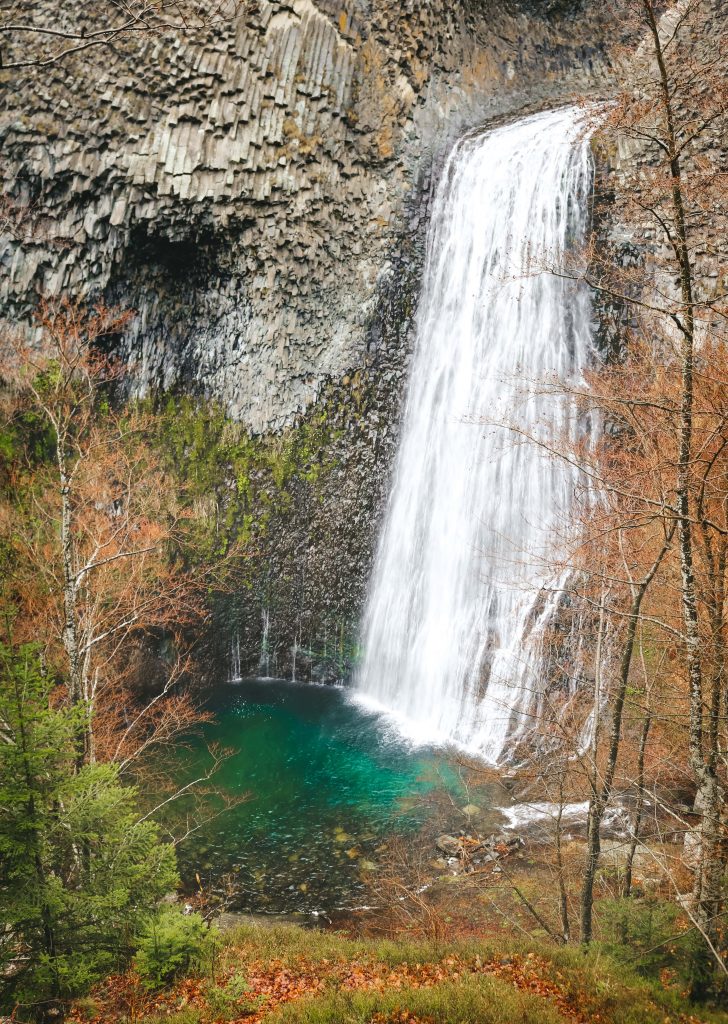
x=328, y=785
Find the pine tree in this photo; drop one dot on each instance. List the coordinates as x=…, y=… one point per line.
x=80, y=873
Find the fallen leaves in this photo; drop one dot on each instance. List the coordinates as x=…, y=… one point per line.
x=272, y=984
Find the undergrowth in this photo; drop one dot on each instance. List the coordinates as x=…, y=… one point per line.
x=288, y=975
x=485, y=1000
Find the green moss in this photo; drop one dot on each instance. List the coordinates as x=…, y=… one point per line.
x=235, y=480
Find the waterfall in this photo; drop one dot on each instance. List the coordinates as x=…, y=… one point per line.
x=461, y=590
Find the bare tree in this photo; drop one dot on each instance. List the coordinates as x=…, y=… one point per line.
x=97, y=537
x=673, y=102
x=34, y=38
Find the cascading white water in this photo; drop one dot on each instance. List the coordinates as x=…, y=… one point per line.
x=457, y=604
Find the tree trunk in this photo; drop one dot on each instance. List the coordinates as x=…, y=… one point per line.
x=70, y=605
x=601, y=796
x=701, y=761
x=637, y=820
x=563, y=895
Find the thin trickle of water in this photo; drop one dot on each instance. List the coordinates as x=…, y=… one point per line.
x=264, y=659
x=235, y=662
x=294, y=654
x=457, y=605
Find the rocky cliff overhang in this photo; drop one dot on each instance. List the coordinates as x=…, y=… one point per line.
x=245, y=182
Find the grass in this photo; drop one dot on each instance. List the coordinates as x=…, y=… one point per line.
x=187, y=1016
x=287, y=975
x=568, y=981
x=470, y=1000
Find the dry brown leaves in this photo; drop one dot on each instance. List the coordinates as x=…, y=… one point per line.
x=273, y=984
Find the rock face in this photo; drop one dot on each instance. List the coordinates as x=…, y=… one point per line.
x=248, y=186
x=257, y=189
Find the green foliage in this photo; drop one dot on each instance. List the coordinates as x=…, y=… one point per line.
x=171, y=943
x=26, y=437
x=650, y=936
x=78, y=870
x=232, y=1000
x=241, y=479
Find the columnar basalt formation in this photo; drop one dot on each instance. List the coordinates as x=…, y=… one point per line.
x=247, y=186
x=257, y=188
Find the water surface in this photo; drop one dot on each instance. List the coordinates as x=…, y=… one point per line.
x=329, y=784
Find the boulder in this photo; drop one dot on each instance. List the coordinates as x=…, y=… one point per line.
x=451, y=846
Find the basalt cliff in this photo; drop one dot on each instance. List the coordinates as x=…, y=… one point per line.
x=255, y=186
